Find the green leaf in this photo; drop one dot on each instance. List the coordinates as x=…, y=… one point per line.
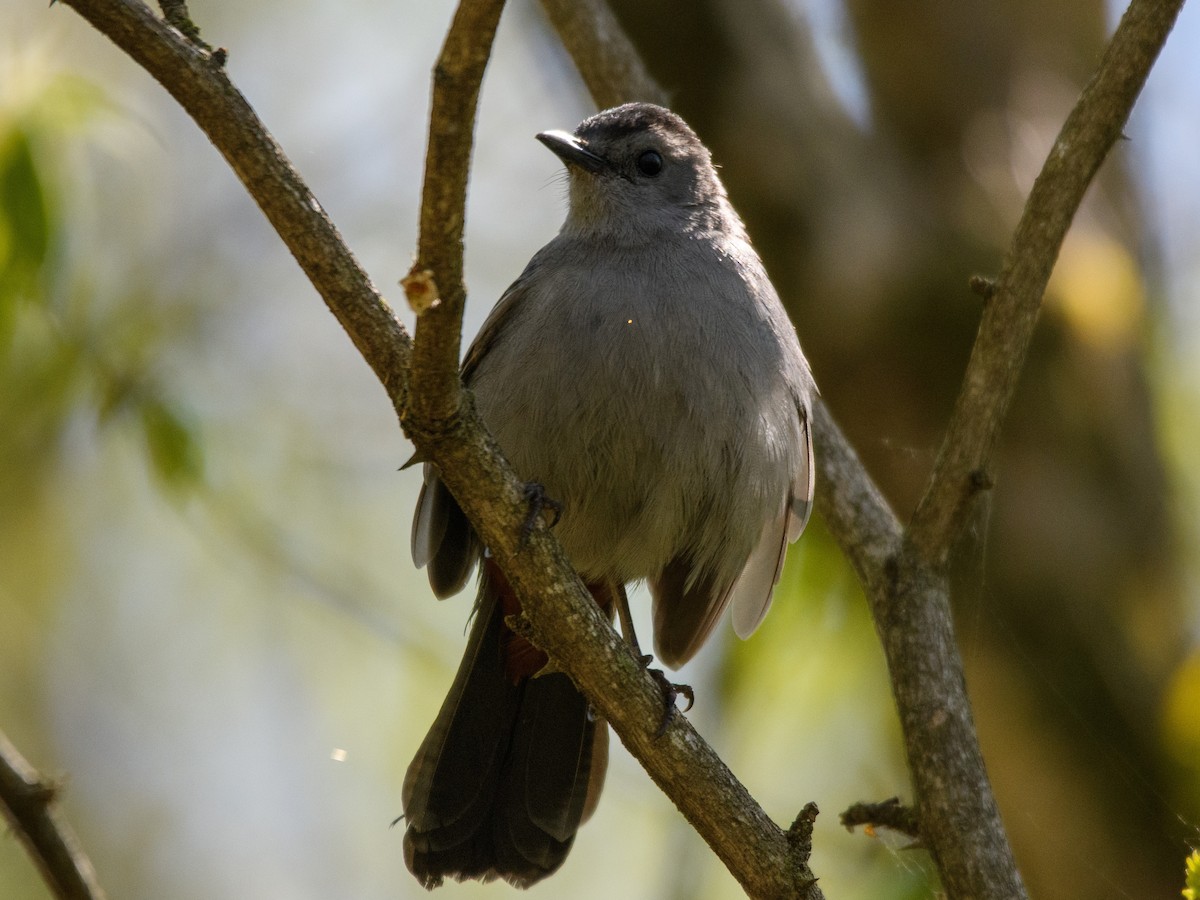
x=173, y=447
x=24, y=216
x=25, y=228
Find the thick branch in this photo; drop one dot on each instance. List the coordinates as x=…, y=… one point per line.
x=960, y=822
x=1010, y=315
x=28, y=802
x=911, y=609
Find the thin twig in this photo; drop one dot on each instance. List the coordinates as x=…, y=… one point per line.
x=886, y=814
x=457, y=77
x=28, y=802
x=998, y=356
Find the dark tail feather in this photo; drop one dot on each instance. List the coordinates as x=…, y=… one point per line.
x=507, y=772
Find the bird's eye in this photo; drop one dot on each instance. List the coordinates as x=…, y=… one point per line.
x=650, y=163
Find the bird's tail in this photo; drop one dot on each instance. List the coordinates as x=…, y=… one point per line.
x=512, y=766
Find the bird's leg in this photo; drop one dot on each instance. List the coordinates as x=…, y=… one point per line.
x=621, y=600
x=535, y=496
x=670, y=690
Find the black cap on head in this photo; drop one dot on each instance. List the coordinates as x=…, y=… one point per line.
x=638, y=118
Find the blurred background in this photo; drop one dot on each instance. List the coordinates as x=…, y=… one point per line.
x=210, y=626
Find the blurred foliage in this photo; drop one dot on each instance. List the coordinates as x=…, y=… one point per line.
x=1192, y=889
x=1181, y=720
x=25, y=238
x=171, y=443
x=61, y=352
x=66, y=360
x=818, y=648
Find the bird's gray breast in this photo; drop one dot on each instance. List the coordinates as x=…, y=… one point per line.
x=646, y=392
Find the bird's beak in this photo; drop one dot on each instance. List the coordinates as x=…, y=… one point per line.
x=568, y=148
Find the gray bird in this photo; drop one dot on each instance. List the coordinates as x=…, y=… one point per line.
x=643, y=372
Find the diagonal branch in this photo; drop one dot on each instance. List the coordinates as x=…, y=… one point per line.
x=998, y=356
x=28, y=802
x=852, y=506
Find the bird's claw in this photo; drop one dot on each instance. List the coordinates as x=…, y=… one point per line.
x=535, y=496
x=670, y=693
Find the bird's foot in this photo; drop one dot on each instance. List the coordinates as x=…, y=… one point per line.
x=535, y=496
x=670, y=694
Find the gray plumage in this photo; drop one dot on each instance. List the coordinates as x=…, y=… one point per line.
x=643, y=370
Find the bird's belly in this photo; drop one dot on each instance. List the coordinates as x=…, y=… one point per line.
x=642, y=468
x=661, y=431
x=623, y=516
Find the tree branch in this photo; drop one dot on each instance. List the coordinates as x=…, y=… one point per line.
x=852, y=506
x=887, y=814
x=998, y=355
x=457, y=76
x=959, y=820
x=29, y=805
